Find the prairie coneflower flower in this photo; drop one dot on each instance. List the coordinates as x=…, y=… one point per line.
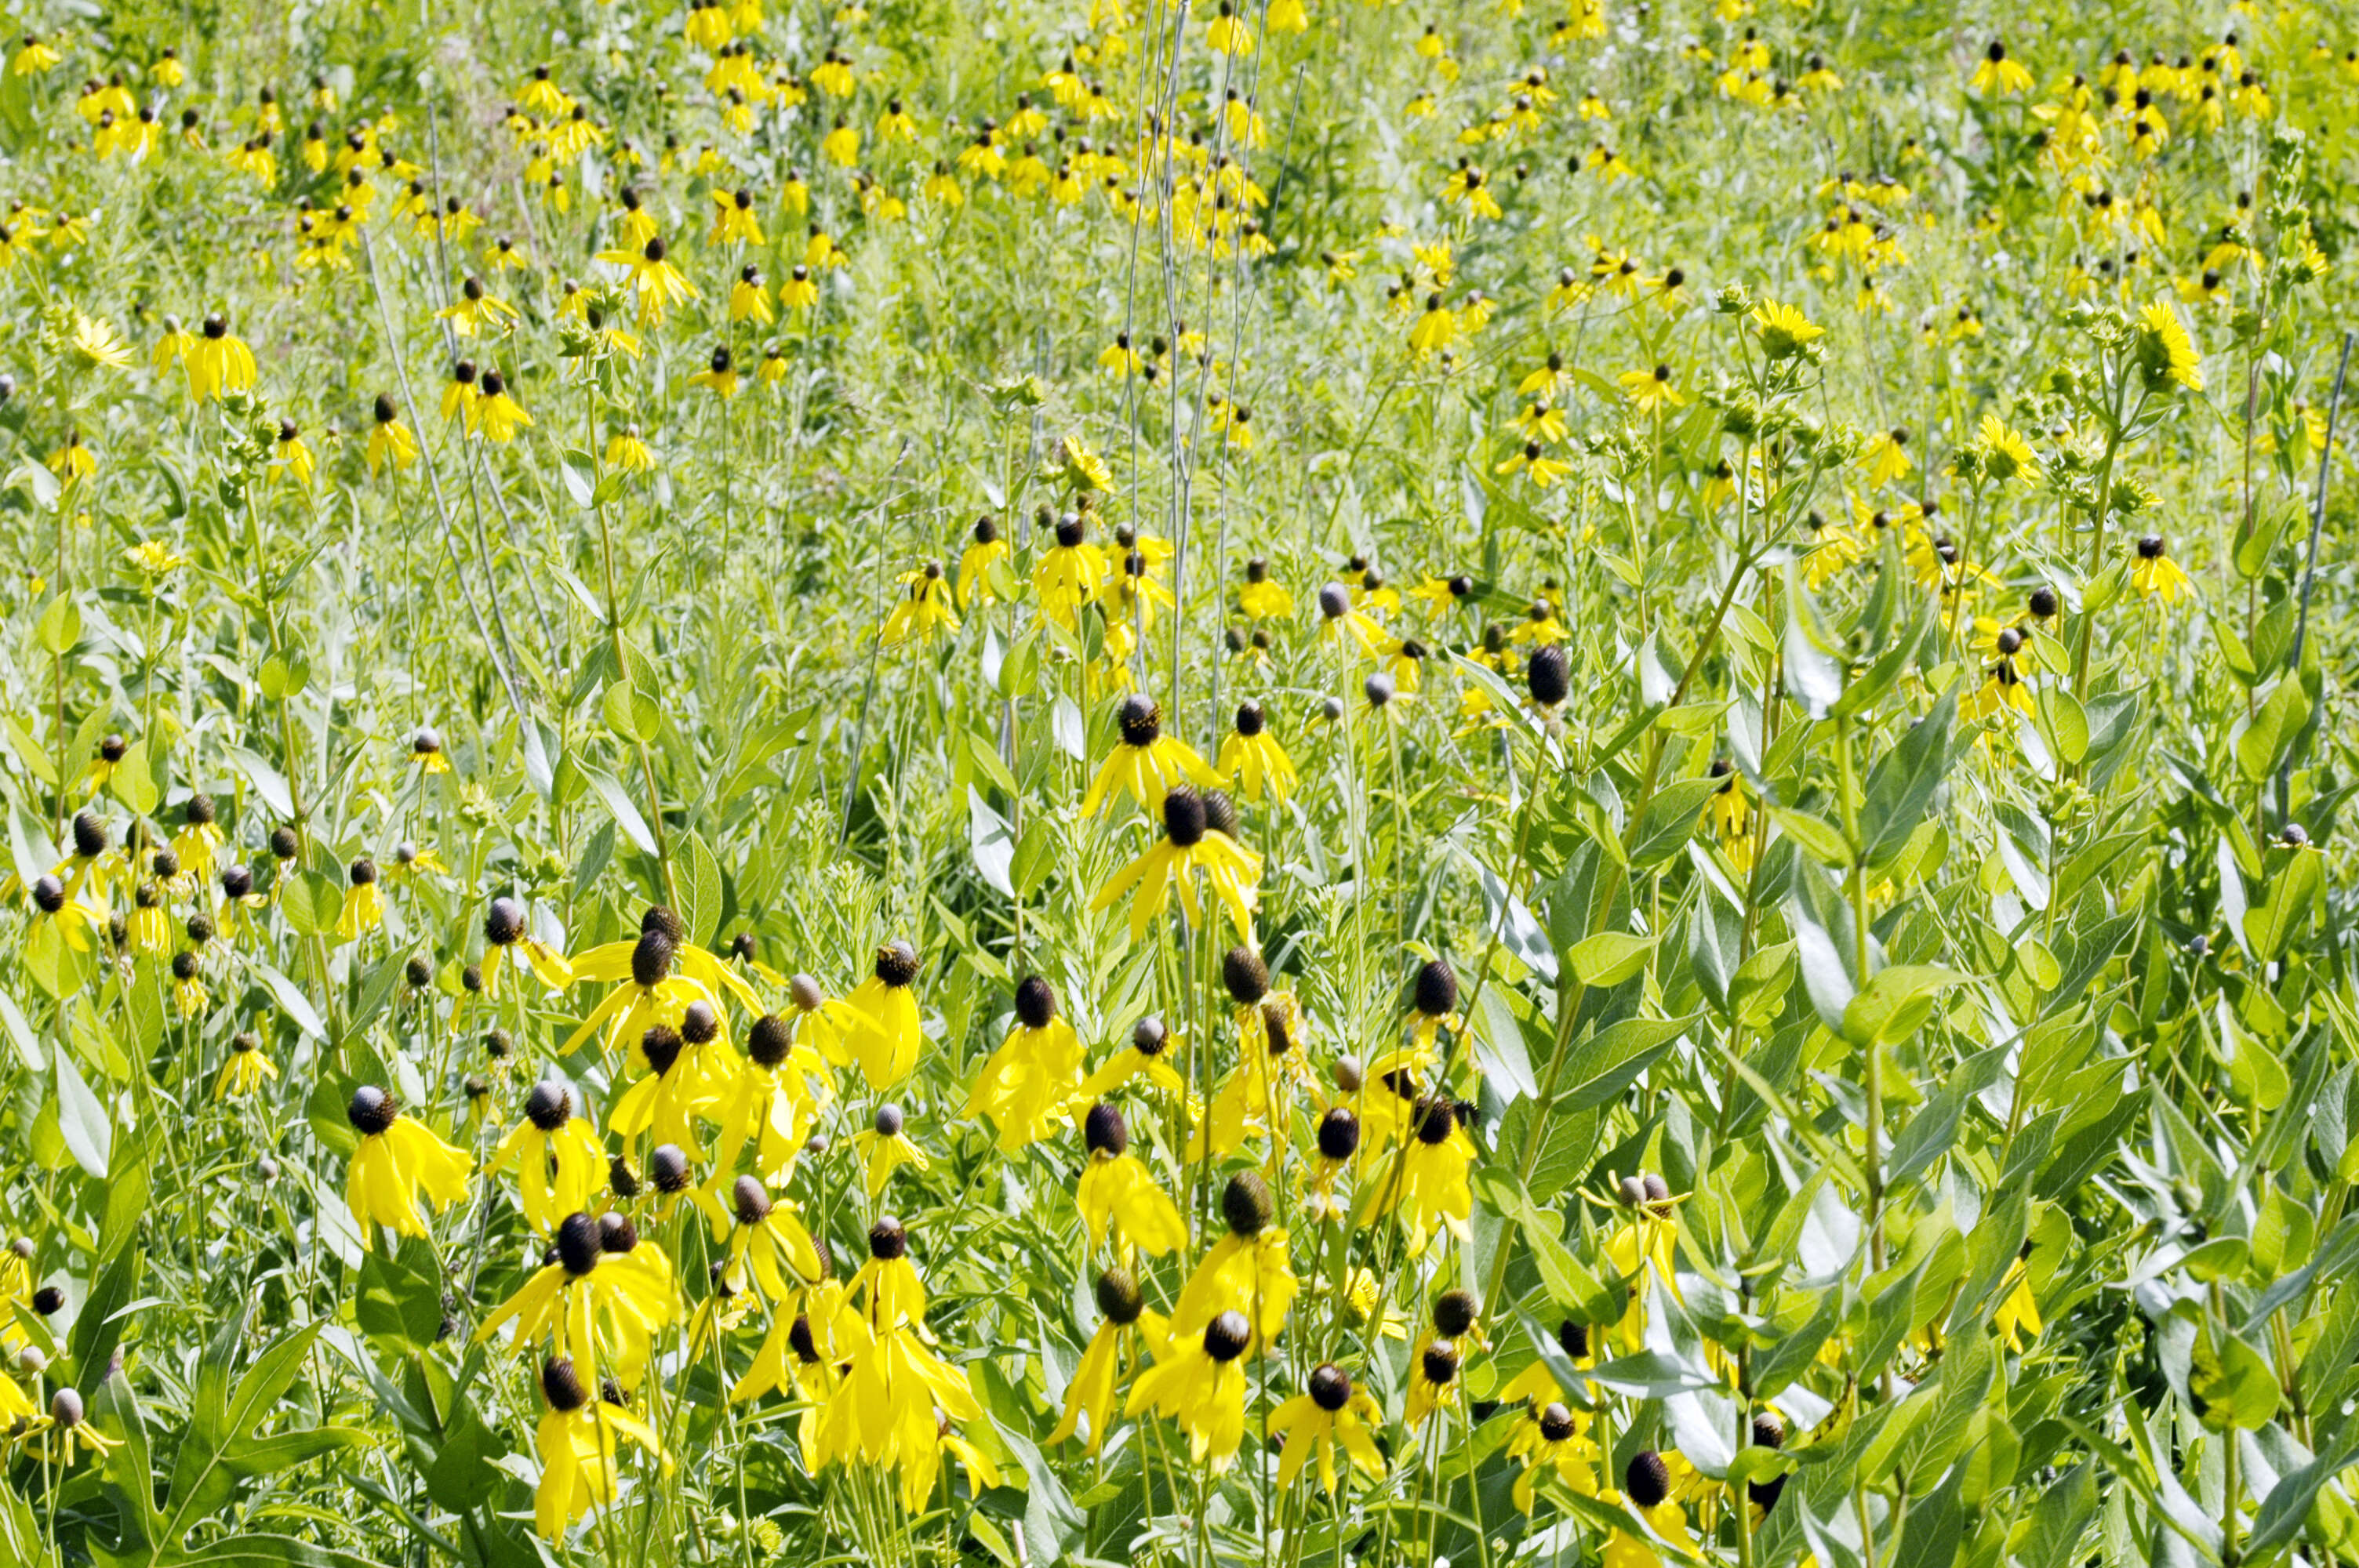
x=772, y=1100
x=200, y=838
x=1201, y=1384
x=1249, y=1269
x=1330, y=1415
x=1026, y=1086
x=1069, y=575
x=767, y=1242
x=1146, y=764
x=395, y=1159
x=579, y=1440
x=389, y=439
x=1260, y=598
x=1251, y=759
x=244, y=1071
x=1145, y=1057
x=1433, y=1381
x=1190, y=846
x=923, y=610
x=476, y=308
x=1554, y=1441
x=2017, y=1313
x=364, y=909
x=649, y=992
x=1646, y=1487
x=1115, y=1190
x=216, y=362
x=1887, y=459
x=884, y=1146
x=558, y=1160
x=719, y=373
x=1425, y=1185
x=505, y=933
x=983, y=553
x=1642, y=1247
x=658, y=283
x=886, y=1034
x=598, y=1300
x=497, y=414
x=1125, y=1325
x=1996, y=74
x=671, y=1093
x=2154, y=574
x=1651, y=391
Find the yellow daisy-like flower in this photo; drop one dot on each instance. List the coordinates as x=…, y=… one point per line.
x=2165, y=353
x=886, y=1033
x=505, y=933
x=922, y=610
x=884, y=1146
x=558, y=1160
x=1118, y=1193
x=985, y=551
x=1332, y=1415
x=1146, y=764
x=1189, y=846
x=397, y=1158
x=1784, y=331
x=598, y=1303
x=1090, y=1390
x=2154, y=574
x=217, y=363
x=1026, y=1086
x=1251, y=759
x=1201, y=1384
x=579, y=1440
x=246, y=1070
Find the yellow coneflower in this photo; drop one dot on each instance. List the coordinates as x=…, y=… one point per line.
x=1191, y=846
x=579, y=1443
x=923, y=610
x=1091, y=1391
x=246, y=1070
x=389, y=439
x=397, y=1158
x=364, y=907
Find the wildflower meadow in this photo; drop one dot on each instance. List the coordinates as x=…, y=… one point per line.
x=1313, y=783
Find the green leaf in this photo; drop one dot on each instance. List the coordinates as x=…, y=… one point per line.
x=2230, y=1384
x=991, y=842
x=82, y=1118
x=1819, y=839
x=1896, y=1003
x=1669, y=821
x=2272, y=729
x=2287, y=899
x=1609, y=958
x=60, y=625
x=1900, y=786
x=698, y=875
x=311, y=903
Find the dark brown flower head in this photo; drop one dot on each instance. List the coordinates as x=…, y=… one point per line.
x=1141, y=719
x=561, y=1385
x=1119, y=1296
x=888, y=1240
x=769, y=1040
x=1331, y=1386
x=1103, y=1130
x=371, y=1109
x=660, y=1045
x=1647, y=1481
x=1437, y=988
x=1226, y=1337
x=896, y=964
x=1246, y=975
x=549, y=1105
x=1183, y=818
x=578, y=1245
x=504, y=923
x=1339, y=1133
x=1453, y=1314
x=1036, y=1003
x=1245, y=1203
x=667, y=1168
x=651, y=959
